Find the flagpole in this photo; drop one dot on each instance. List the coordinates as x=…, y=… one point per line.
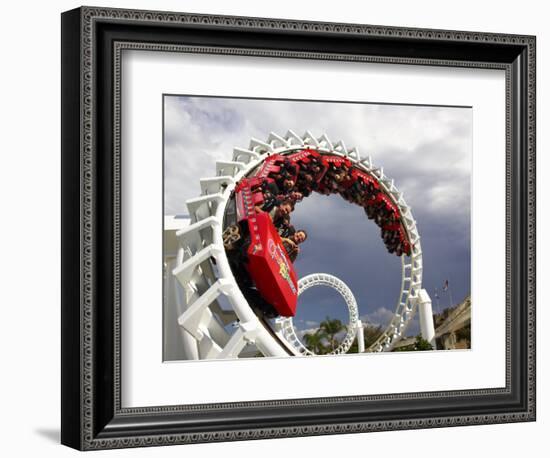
x=447, y=289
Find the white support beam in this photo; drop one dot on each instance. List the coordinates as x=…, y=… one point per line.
x=203, y=207
x=354, y=154
x=215, y=185
x=341, y=147
x=310, y=139
x=277, y=140
x=185, y=270
x=244, y=334
x=324, y=139
x=293, y=136
x=229, y=168
x=367, y=162
x=244, y=155
x=260, y=146
x=191, y=318
x=191, y=236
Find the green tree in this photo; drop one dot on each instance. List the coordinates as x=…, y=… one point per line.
x=330, y=329
x=464, y=333
x=422, y=344
x=314, y=342
x=419, y=344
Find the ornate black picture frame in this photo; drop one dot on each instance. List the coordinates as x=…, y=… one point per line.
x=92, y=42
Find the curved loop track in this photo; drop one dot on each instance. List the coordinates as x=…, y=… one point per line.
x=320, y=279
x=213, y=299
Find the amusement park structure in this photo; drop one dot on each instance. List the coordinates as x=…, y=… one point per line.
x=230, y=289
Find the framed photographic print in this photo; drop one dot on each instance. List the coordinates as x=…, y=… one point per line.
x=277, y=228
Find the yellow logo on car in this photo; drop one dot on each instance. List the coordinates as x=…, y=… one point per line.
x=278, y=256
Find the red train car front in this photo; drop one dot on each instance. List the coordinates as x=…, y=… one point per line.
x=268, y=264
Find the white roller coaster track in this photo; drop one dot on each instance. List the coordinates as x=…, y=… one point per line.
x=285, y=327
x=203, y=270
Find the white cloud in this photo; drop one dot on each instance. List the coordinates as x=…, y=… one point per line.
x=311, y=323
x=426, y=149
x=380, y=316
x=301, y=333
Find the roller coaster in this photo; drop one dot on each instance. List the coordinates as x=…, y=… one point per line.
x=230, y=281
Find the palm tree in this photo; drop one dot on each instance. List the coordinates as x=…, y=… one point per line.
x=314, y=342
x=330, y=328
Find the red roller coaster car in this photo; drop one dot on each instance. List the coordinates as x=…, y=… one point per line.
x=253, y=241
x=257, y=253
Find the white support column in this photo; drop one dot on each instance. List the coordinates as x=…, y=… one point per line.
x=424, y=304
x=360, y=336
x=178, y=343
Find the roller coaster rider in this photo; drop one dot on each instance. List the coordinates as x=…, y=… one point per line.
x=291, y=243
x=279, y=213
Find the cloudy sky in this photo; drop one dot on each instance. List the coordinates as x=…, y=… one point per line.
x=426, y=150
